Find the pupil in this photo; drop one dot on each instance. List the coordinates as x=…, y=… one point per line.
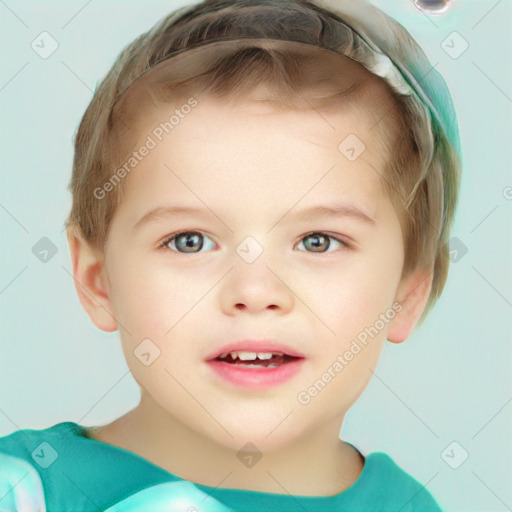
x=318, y=241
x=190, y=241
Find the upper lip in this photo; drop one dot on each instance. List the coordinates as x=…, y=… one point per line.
x=257, y=346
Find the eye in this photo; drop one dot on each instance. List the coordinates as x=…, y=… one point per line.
x=187, y=242
x=320, y=242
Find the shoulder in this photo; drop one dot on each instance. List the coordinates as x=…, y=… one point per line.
x=392, y=485
x=36, y=445
x=23, y=456
x=68, y=469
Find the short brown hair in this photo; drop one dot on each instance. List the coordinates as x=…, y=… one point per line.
x=422, y=175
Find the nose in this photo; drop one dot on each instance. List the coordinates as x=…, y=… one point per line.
x=254, y=288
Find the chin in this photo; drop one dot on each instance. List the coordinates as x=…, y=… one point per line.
x=265, y=435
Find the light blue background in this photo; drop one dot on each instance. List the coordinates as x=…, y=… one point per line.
x=451, y=381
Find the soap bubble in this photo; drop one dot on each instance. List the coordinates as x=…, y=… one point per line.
x=432, y=6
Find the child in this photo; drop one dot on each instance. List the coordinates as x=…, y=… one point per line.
x=262, y=196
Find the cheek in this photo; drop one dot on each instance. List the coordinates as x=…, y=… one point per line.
x=147, y=299
x=348, y=296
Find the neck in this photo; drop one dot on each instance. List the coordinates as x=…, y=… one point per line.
x=318, y=464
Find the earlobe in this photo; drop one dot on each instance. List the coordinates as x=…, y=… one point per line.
x=91, y=281
x=412, y=295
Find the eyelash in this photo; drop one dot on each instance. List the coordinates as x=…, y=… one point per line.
x=166, y=241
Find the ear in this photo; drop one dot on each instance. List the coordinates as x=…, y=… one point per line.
x=91, y=281
x=412, y=294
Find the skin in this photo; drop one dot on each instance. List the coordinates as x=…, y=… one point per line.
x=188, y=421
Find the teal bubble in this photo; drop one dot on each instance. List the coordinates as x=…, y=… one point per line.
x=173, y=496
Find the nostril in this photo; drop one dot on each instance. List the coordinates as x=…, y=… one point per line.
x=241, y=306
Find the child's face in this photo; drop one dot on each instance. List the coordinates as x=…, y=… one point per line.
x=251, y=172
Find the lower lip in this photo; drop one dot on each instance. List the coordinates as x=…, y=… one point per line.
x=256, y=378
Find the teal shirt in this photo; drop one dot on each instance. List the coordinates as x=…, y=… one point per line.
x=60, y=469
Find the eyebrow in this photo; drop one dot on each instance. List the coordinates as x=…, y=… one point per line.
x=167, y=212
x=335, y=211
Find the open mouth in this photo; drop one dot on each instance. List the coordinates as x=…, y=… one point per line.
x=256, y=370
x=256, y=359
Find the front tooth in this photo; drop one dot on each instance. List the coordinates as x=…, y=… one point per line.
x=264, y=355
x=246, y=356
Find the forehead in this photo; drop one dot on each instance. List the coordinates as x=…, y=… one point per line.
x=365, y=106
x=250, y=157
x=320, y=80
